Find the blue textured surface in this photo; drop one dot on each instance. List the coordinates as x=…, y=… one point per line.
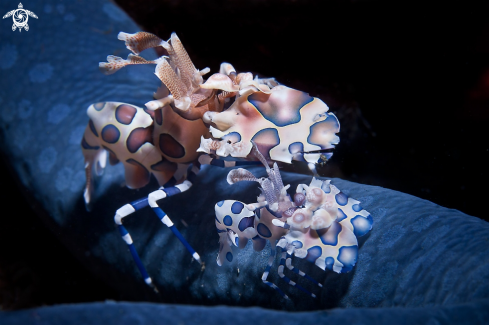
x=429, y=262
x=146, y=313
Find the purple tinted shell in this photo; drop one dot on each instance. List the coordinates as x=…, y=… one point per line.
x=299, y=199
x=288, y=213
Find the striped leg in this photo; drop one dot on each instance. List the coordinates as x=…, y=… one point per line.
x=288, y=263
x=119, y=215
x=267, y=271
x=286, y=279
x=161, y=194
x=208, y=160
x=151, y=201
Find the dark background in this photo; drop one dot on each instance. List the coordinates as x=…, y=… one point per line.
x=409, y=82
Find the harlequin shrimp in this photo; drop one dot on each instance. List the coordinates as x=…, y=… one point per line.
x=190, y=122
x=321, y=224
x=285, y=124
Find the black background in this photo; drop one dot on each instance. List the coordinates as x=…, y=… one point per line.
x=409, y=82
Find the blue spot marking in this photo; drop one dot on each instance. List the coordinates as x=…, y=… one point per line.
x=296, y=147
x=237, y=207
x=325, y=187
x=228, y=221
x=276, y=112
x=296, y=150
x=233, y=137
x=356, y=207
x=341, y=215
x=313, y=253
x=111, y=134
x=125, y=114
x=341, y=198
x=348, y=257
x=361, y=225
x=246, y=222
x=329, y=125
x=229, y=256
x=236, y=241
x=99, y=106
x=329, y=262
x=263, y=230
x=171, y=191
x=220, y=203
x=329, y=236
x=266, y=139
x=297, y=244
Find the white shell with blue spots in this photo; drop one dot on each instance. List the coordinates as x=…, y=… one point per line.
x=283, y=124
x=323, y=228
x=232, y=224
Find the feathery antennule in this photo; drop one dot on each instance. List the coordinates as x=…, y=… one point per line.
x=115, y=63
x=275, y=177
x=168, y=76
x=185, y=64
x=140, y=41
x=255, y=152
x=269, y=192
x=240, y=174
x=177, y=64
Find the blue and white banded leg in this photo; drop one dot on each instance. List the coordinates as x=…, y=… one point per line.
x=288, y=280
x=289, y=249
x=130, y=208
x=267, y=271
x=288, y=263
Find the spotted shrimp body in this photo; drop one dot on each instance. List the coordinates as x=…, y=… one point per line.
x=192, y=121
x=285, y=124
x=321, y=225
